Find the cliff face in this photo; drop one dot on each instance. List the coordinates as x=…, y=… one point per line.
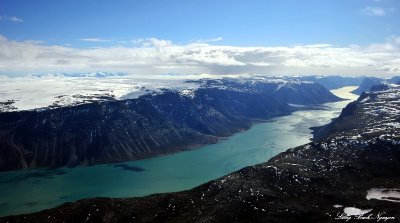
x=114, y=131
x=351, y=169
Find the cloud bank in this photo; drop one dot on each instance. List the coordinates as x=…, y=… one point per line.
x=156, y=56
x=377, y=11
x=96, y=40
x=10, y=18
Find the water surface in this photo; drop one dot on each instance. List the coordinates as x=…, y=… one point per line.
x=33, y=190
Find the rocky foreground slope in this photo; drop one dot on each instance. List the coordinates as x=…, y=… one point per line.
x=153, y=124
x=354, y=169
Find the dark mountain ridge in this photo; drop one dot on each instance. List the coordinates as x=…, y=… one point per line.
x=332, y=82
x=153, y=124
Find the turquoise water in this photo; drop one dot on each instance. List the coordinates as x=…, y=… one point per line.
x=33, y=190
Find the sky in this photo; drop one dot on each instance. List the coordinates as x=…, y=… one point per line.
x=348, y=37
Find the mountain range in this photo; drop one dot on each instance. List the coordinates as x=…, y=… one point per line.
x=153, y=124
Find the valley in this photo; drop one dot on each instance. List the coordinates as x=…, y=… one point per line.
x=340, y=177
x=33, y=190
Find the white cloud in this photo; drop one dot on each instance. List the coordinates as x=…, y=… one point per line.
x=376, y=11
x=10, y=18
x=97, y=40
x=217, y=39
x=156, y=56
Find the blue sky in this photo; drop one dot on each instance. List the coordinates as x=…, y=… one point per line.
x=247, y=23
x=83, y=24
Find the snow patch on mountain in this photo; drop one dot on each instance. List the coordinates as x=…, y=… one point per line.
x=187, y=93
x=353, y=211
x=384, y=194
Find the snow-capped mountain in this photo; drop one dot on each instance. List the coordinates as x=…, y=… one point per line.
x=61, y=90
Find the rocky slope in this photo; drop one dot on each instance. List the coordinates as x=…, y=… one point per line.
x=158, y=123
x=372, y=114
x=351, y=173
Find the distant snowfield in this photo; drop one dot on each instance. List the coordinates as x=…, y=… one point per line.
x=33, y=92
x=39, y=92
